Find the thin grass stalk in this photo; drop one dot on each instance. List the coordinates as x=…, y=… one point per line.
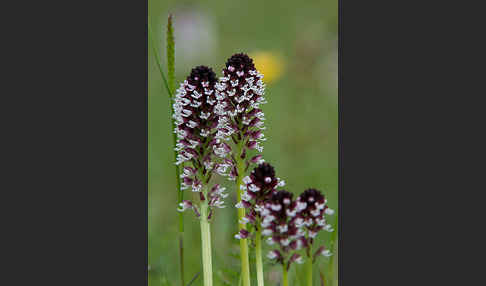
x=245, y=263
x=170, y=87
x=170, y=55
x=206, y=245
x=170, y=52
x=258, y=256
x=158, y=62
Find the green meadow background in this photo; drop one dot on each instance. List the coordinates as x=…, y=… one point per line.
x=301, y=120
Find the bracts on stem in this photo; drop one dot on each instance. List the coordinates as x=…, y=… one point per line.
x=257, y=188
x=241, y=91
x=201, y=150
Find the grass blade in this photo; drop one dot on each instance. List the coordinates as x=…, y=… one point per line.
x=170, y=52
x=193, y=279
x=170, y=87
x=157, y=58
x=170, y=55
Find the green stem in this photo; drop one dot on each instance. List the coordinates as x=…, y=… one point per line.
x=181, y=256
x=258, y=254
x=308, y=266
x=285, y=281
x=206, y=245
x=245, y=264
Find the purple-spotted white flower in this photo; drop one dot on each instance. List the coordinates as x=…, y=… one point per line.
x=279, y=225
x=200, y=148
x=241, y=92
x=312, y=213
x=258, y=188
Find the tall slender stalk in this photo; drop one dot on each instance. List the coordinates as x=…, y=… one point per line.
x=285, y=281
x=309, y=263
x=245, y=264
x=243, y=120
x=308, y=266
x=170, y=52
x=206, y=245
x=170, y=87
x=258, y=256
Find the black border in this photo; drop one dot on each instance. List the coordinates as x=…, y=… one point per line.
x=77, y=158
x=79, y=209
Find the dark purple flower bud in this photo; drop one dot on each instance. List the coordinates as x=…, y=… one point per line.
x=242, y=234
x=226, y=147
x=234, y=172
x=214, y=188
x=214, y=141
x=252, y=144
x=251, y=195
x=240, y=62
x=274, y=254
x=294, y=245
x=257, y=159
x=273, y=240
x=305, y=242
x=249, y=218
x=254, y=112
x=187, y=181
x=196, y=211
x=185, y=142
x=243, y=154
x=296, y=258
x=322, y=251
x=188, y=171
x=256, y=134
x=184, y=205
x=245, y=204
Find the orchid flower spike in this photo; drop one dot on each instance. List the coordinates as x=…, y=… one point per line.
x=312, y=210
x=241, y=91
x=199, y=148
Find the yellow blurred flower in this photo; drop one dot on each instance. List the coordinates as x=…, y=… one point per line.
x=271, y=65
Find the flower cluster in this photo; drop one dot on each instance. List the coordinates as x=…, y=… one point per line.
x=199, y=142
x=281, y=224
x=240, y=92
x=312, y=219
x=293, y=224
x=257, y=188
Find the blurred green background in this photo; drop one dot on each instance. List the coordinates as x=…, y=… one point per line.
x=294, y=44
